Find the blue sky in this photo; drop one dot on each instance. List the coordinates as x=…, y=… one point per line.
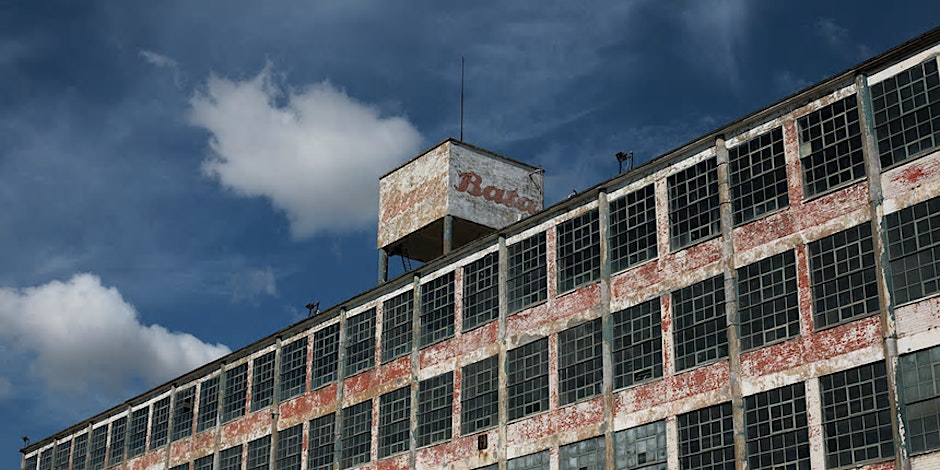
x=178, y=178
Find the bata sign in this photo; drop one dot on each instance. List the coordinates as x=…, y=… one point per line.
x=472, y=184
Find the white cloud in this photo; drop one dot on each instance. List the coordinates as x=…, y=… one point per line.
x=80, y=336
x=249, y=284
x=837, y=36
x=315, y=153
x=717, y=32
x=163, y=62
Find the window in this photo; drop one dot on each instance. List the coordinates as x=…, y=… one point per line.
x=539, y=461
x=706, y=438
x=758, y=177
x=325, y=356
x=914, y=250
x=118, y=438
x=699, y=319
x=208, y=403
x=768, y=307
x=62, y=452
x=527, y=273
x=580, y=362
x=360, y=342
x=204, y=463
x=842, y=273
x=579, y=251
x=183, y=413
x=437, y=309
x=236, y=392
x=435, y=406
x=259, y=454
x=394, y=422
x=481, y=291
x=80, y=452
x=320, y=449
x=777, y=435
x=138, y=433
x=160, y=423
x=31, y=463
x=293, y=369
x=479, y=401
x=231, y=458
x=528, y=379
x=262, y=381
x=632, y=235
x=693, y=204
x=583, y=455
x=397, y=325
x=641, y=448
x=907, y=113
x=99, y=447
x=184, y=466
x=637, y=346
x=831, y=147
x=357, y=429
x=46, y=459
x=920, y=389
x=856, y=416
x=290, y=444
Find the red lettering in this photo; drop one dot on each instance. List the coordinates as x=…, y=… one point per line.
x=470, y=184
x=492, y=193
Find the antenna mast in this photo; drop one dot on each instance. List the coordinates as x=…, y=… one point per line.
x=461, y=98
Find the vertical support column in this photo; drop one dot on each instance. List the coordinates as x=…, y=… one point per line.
x=448, y=233
x=340, y=376
x=603, y=212
x=169, y=427
x=879, y=233
x=220, y=407
x=415, y=368
x=814, y=420
x=91, y=427
x=276, y=405
x=502, y=393
x=731, y=304
x=383, y=265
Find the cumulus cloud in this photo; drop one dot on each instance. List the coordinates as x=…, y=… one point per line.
x=80, y=335
x=315, y=153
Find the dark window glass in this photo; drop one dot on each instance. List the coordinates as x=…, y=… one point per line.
x=137, y=443
x=290, y=444
x=185, y=466
x=641, y=448
x=160, y=423
x=118, y=438
x=768, y=308
x=693, y=204
x=231, y=458
x=583, y=455
x=580, y=362
x=527, y=283
x=325, y=356
x=397, y=325
x=539, y=461
x=357, y=434
x=777, y=435
x=204, y=463
x=62, y=453
x=706, y=438
x=920, y=389
x=437, y=309
x=842, y=273
x=758, y=177
x=831, y=147
x=699, y=319
x=208, y=403
x=907, y=113
x=480, y=291
x=46, y=459
x=394, y=421
x=579, y=251
x=183, y=412
x=637, y=346
x=236, y=392
x=479, y=402
x=914, y=250
x=293, y=369
x=856, y=416
x=99, y=447
x=435, y=409
x=259, y=454
x=632, y=234
x=262, y=381
x=528, y=379
x=320, y=449
x=360, y=342
x=80, y=452
x=31, y=463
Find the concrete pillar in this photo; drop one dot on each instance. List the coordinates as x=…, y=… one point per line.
x=603, y=209
x=340, y=376
x=448, y=233
x=415, y=368
x=383, y=265
x=502, y=375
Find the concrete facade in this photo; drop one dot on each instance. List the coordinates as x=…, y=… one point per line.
x=739, y=377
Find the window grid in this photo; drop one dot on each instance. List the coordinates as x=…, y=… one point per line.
x=481, y=291
x=528, y=379
x=831, y=147
x=320, y=448
x=204, y=463
x=758, y=177
x=856, y=416
x=160, y=425
x=397, y=325
x=62, y=452
x=357, y=429
x=479, y=401
x=582, y=455
x=46, y=459
x=437, y=309
x=920, y=389
x=907, y=113
x=527, y=273
x=262, y=381
x=31, y=463
x=537, y=461
x=118, y=438
x=777, y=433
x=80, y=452
x=183, y=412
x=360, y=342
x=693, y=204
x=236, y=392
x=637, y=346
x=290, y=444
x=914, y=250
x=231, y=458
x=98, y=449
x=259, y=454
x=325, y=356
x=641, y=448
x=183, y=466
x=435, y=409
x=632, y=235
x=580, y=362
x=699, y=318
x=394, y=421
x=768, y=307
x=706, y=438
x=137, y=443
x=842, y=274
x=293, y=369
x=579, y=251
x=208, y=403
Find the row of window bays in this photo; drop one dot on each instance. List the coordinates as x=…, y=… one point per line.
x=854, y=417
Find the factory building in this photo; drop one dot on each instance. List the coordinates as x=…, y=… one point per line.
x=765, y=296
